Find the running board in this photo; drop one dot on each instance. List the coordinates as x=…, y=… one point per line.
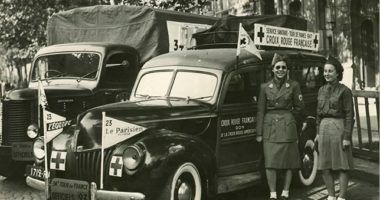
x=237, y=182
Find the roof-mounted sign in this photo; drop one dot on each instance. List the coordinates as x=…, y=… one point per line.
x=284, y=37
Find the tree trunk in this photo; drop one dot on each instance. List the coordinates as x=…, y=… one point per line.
x=280, y=7
x=268, y=7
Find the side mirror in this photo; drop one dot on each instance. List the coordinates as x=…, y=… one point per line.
x=124, y=63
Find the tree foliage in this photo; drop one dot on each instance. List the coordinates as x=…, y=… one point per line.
x=23, y=27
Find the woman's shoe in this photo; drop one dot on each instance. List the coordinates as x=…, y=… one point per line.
x=284, y=198
x=272, y=199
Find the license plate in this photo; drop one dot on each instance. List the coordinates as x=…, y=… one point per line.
x=22, y=151
x=69, y=189
x=34, y=171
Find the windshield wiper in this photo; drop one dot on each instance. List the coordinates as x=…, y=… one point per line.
x=188, y=99
x=88, y=74
x=145, y=96
x=205, y=97
x=57, y=73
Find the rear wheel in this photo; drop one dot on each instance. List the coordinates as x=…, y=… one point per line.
x=184, y=184
x=309, y=163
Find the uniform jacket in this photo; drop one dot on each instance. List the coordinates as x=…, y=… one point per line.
x=278, y=109
x=335, y=101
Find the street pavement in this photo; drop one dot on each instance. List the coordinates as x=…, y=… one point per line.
x=358, y=190
x=16, y=189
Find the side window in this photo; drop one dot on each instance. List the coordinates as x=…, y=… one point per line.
x=309, y=76
x=119, y=70
x=243, y=88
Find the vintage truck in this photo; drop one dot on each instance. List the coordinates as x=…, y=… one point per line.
x=188, y=131
x=92, y=58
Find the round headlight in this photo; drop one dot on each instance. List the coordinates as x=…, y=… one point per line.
x=39, y=149
x=132, y=157
x=32, y=131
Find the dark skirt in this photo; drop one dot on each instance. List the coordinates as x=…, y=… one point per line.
x=282, y=155
x=330, y=146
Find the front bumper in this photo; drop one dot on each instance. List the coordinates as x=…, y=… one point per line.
x=35, y=183
x=94, y=192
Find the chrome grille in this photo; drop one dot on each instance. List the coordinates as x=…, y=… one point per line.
x=17, y=116
x=86, y=165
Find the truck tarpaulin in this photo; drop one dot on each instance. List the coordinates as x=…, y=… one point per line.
x=225, y=30
x=143, y=28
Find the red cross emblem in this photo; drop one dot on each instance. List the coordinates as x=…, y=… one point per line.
x=116, y=166
x=58, y=160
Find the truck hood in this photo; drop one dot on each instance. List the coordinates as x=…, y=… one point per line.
x=150, y=114
x=51, y=91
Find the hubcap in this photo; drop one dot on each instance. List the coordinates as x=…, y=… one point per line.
x=184, y=191
x=307, y=163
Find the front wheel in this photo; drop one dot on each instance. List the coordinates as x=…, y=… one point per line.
x=309, y=163
x=184, y=184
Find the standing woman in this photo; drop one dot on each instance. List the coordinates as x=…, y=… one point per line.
x=335, y=118
x=280, y=103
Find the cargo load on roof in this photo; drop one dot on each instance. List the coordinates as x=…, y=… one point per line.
x=149, y=30
x=225, y=31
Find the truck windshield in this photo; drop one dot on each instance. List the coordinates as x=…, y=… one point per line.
x=182, y=84
x=66, y=65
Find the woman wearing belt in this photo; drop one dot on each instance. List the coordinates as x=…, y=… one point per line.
x=280, y=103
x=335, y=118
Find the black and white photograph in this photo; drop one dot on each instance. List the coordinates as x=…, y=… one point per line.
x=189, y=99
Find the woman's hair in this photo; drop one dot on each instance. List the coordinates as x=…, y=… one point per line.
x=338, y=67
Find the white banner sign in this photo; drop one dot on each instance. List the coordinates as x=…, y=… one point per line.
x=284, y=37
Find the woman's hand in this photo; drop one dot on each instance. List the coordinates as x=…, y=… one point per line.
x=346, y=144
x=259, y=138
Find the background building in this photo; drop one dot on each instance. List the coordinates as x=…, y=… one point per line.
x=349, y=30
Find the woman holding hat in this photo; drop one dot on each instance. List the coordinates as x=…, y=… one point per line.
x=335, y=118
x=280, y=103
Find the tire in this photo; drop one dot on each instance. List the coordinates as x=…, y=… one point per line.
x=184, y=184
x=309, y=163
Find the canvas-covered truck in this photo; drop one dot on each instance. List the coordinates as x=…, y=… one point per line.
x=92, y=58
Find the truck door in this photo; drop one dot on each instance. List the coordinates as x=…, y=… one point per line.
x=117, y=77
x=237, y=149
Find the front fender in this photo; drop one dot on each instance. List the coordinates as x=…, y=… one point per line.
x=165, y=150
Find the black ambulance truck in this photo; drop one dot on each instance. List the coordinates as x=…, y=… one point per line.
x=189, y=129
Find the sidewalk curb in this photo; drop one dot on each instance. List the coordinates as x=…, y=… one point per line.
x=365, y=176
x=366, y=170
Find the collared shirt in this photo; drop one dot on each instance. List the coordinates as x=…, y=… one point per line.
x=278, y=83
x=271, y=98
x=335, y=100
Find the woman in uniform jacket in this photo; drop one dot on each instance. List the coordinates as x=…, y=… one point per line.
x=335, y=118
x=280, y=104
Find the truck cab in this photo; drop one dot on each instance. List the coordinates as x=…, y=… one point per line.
x=76, y=77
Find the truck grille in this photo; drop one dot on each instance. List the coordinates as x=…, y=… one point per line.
x=86, y=165
x=16, y=118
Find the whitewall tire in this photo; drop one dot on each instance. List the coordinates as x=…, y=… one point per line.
x=309, y=159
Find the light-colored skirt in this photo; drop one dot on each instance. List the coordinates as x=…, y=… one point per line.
x=330, y=146
x=281, y=155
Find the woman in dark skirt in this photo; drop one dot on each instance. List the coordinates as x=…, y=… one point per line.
x=280, y=103
x=335, y=118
